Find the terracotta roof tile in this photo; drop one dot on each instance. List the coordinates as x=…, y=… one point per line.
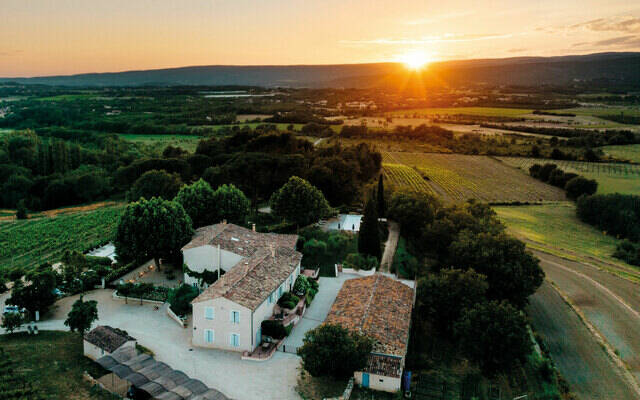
x=384, y=365
x=376, y=306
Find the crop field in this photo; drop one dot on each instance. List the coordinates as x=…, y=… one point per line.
x=629, y=152
x=611, y=177
x=157, y=143
x=459, y=178
x=404, y=177
x=555, y=225
x=479, y=111
x=28, y=243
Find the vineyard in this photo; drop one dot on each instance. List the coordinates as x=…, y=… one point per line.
x=13, y=386
x=611, y=177
x=458, y=178
x=405, y=177
x=28, y=243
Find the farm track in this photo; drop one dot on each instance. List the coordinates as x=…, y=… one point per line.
x=611, y=304
x=576, y=353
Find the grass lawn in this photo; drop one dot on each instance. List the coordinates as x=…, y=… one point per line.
x=555, y=225
x=28, y=243
x=157, y=143
x=54, y=362
x=629, y=152
x=480, y=111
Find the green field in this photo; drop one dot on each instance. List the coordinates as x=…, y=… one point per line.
x=480, y=111
x=555, y=225
x=28, y=243
x=598, y=111
x=54, y=363
x=630, y=152
x=611, y=178
x=157, y=143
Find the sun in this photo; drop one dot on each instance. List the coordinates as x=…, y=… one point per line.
x=415, y=60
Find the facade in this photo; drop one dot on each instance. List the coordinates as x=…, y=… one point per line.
x=228, y=314
x=104, y=340
x=380, y=308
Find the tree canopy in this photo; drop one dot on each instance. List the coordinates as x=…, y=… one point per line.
x=37, y=294
x=369, y=234
x=231, y=204
x=299, y=202
x=198, y=200
x=155, y=183
x=152, y=229
x=82, y=315
x=331, y=350
x=413, y=211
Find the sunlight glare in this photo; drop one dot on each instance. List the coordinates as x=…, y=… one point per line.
x=414, y=60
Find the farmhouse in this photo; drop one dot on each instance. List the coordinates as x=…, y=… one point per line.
x=380, y=308
x=259, y=268
x=104, y=340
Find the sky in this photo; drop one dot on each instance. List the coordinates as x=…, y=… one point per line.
x=52, y=37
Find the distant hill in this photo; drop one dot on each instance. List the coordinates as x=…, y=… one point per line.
x=616, y=68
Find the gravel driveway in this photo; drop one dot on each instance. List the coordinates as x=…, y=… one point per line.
x=224, y=371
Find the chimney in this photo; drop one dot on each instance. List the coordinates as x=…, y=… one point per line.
x=253, y=227
x=224, y=222
x=273, y=251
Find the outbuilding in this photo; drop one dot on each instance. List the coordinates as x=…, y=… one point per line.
x=104, y=340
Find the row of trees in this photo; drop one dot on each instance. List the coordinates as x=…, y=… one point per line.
x=575, y=185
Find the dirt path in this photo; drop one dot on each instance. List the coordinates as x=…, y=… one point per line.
x=610, y=304
x=390, y=246
x=576, y=353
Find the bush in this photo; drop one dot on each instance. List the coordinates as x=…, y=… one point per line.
x=302, y=285
x=180, y=299
x=359, y=261
x=288, y=300
x=274, y=329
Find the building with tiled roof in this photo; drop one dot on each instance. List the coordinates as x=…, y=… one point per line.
x=379, y=307
x=258, y=269
x=104, y=340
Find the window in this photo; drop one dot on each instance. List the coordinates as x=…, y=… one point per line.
x=280, y=292
x=208, y=335
x=271, y=298
x=235, y=317
x=234, y=340
x=208, y=313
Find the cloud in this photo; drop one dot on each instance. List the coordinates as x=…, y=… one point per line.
x=450, y=37
x=625, y=24
x=628, y=41
x=438, y=18
x=518, y=50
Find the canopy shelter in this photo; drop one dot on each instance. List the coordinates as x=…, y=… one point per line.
x=157, y=379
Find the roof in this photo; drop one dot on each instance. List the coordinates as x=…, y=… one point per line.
x=156, y=378
x=378, y=307
x=379, y=364
x=107, y=338
x=253, y=279
x=239, y=240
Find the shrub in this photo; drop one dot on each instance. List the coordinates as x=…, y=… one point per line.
x=359, y=261
x=180, y=299
x=288, y=300
x=579, y=186
x=274, y=329
x=302, y=285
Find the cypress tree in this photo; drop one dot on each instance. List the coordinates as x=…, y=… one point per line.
x=369, y=235
x=380, y=200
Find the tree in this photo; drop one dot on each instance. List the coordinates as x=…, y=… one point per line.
x=11, y=321
x=314, y=250
x=155, y=183
x=579, y=186
x=82, y=315
x=442, y=297
x=331, y=350
x=512, y=272
x=299, y=202
x=21, y=212
x=152, y=229
x=380, y=201
x=369, y=234
x=37, y=294
x=413, y=211
x=231, y=204
x=180, y=299
x=198, y=200
x=494, y=335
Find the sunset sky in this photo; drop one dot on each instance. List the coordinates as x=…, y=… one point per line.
x=47, y=37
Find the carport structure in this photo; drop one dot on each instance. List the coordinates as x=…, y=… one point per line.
x=156, y=379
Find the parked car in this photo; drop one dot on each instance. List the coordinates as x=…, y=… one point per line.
x=13, y=310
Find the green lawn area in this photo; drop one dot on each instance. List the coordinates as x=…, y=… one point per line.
x=158, y=143
x=629, y=152
x=556, y=225
x=596, y=111
x=54, y=362
x=28, y=243
x=480, y=111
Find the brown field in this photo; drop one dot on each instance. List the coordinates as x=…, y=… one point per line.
x=459, y=178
